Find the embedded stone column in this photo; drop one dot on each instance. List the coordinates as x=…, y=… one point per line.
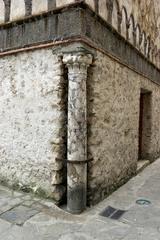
x=77, y=64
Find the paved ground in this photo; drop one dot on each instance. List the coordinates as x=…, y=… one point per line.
x=24, y=217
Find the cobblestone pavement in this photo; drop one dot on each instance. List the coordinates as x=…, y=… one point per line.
x=25, y=217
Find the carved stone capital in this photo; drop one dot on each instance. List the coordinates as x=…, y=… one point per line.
x=77, y=59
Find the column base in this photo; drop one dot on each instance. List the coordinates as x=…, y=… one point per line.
x=76, y=199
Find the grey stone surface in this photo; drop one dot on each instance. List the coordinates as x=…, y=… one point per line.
x=53, y=223
x=7, y=203
x=33, y=122
x=19, y=214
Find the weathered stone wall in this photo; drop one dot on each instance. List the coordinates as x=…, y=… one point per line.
x=113, y=124
x=137, y=21
x=32, y=122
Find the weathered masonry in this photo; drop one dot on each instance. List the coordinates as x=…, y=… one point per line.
x=79, y=95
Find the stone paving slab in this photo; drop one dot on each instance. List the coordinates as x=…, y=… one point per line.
x=49, y=222
x=9, y=203
x=19, y=215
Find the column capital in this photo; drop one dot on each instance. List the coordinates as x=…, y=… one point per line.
x=77, y=58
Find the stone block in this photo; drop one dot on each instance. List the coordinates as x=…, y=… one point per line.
x=91, y=3
x=57, y=165
x=60, y=3
x=58, y=192
x=39, y=6
x=2, y=12
x=57, y=177
x=103, y=12
x=17, y=9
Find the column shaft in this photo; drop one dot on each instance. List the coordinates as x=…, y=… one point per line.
x=77, y=132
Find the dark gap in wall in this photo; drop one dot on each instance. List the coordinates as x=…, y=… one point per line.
x=145, y=121
x=28, y=7
x=7, y=4
x=51, y=4
x=109, y=5
x=96, y=3
x=90, y=106
x=65, y=100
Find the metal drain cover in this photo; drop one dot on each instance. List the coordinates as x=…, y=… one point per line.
x=143, y=202
x=112, y=213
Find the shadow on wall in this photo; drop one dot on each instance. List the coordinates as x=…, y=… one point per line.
x=109, y=10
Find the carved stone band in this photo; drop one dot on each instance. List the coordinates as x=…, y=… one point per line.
x=81, y=59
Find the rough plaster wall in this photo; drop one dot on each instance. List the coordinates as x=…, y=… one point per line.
x=113, y=121
x=31, y=120
x=133, y=14
x=146, y=13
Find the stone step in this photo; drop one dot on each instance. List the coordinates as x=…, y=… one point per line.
x=142, y=164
